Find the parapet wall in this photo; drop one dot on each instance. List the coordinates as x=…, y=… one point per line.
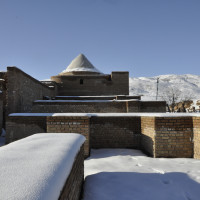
x=196, y=139
x=74, y=184
x=115, y=132
x=160, y=135
x=86, y=85
x=1, y=111
x=22, y=90
x=97, y=106
x=168, y=136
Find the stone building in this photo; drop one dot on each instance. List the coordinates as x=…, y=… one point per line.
x=81, y=78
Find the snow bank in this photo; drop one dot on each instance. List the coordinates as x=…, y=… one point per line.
x=126, y=174
x=37, y=167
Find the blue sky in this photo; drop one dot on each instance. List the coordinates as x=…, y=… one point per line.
x=144, y=37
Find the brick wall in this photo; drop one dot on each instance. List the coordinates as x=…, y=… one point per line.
x=115, y=84
x=73, y=187
x=115, y=132
x=148, y=135
x=158, y=136
x=96, y=107
x=174, y=137
x=18, y=127
x=153, y=106
x=196, y=124
x=79, y=107
x=71, y=125
x=1, y=111
x=22, y=90
x=168, y=136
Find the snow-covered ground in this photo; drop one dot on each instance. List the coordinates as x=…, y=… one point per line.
x=127, y=174
x=187, y=85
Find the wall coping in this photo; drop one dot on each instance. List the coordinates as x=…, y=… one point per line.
x=86, y=101
x=104, y=115
x=32, y=164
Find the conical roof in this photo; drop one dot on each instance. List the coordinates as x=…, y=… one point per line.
x=80, y=64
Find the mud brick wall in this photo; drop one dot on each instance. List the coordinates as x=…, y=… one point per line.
x=18, y=127
x=73, y=186
x=22, y=90
x=79, y=107
x=1, y=111
x=115, y=132
x=153, y=106
x=196, y=129
x=174, y=137
x=115, y=84
x=66, y=125
x=148, y=135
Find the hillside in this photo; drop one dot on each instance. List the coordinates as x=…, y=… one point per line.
x=185, y=87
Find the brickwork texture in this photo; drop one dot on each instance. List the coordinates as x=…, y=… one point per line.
x=22, y=90
x=73, y=187
x=66, y=125
x=115, y=132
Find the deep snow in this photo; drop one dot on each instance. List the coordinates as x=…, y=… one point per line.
x=36, y=167
x=127, y=174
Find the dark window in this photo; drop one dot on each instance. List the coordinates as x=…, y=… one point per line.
x=81, y=81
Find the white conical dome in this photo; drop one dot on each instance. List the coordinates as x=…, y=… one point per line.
x=80, y=64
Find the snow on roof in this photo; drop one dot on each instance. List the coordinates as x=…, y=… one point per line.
x=37, y=167
x=80, y=64
x=87, y=101
x=109, y=114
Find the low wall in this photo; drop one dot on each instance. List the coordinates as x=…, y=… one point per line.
x=148, y=135
x=23, y=126
x=1, y=111
x=73, y=187
x=71, y=125
x=97, y=106
x=79, y=106
x=160, y=135
x=47, y=166
x=115, y=132
x=196, y=123
x=22, y=90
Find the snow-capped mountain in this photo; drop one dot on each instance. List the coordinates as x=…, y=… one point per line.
x=187, y=86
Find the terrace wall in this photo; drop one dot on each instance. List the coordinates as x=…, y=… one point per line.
x=148, y=135
x=158, y=136
x=73, y=187
x=22, y=90
x=1, y=111
x=71, y=125
x=196, y=123
x=79, y=107
x=115, y=132
x=174, y=137
x=98, y=106
x=23, y=126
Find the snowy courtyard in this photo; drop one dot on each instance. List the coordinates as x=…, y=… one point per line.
x=127, y=174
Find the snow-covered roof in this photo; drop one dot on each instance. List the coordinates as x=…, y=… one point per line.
x=80, y=64
x=37, y=167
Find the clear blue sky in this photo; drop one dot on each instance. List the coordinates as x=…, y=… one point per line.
x=144, y=37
